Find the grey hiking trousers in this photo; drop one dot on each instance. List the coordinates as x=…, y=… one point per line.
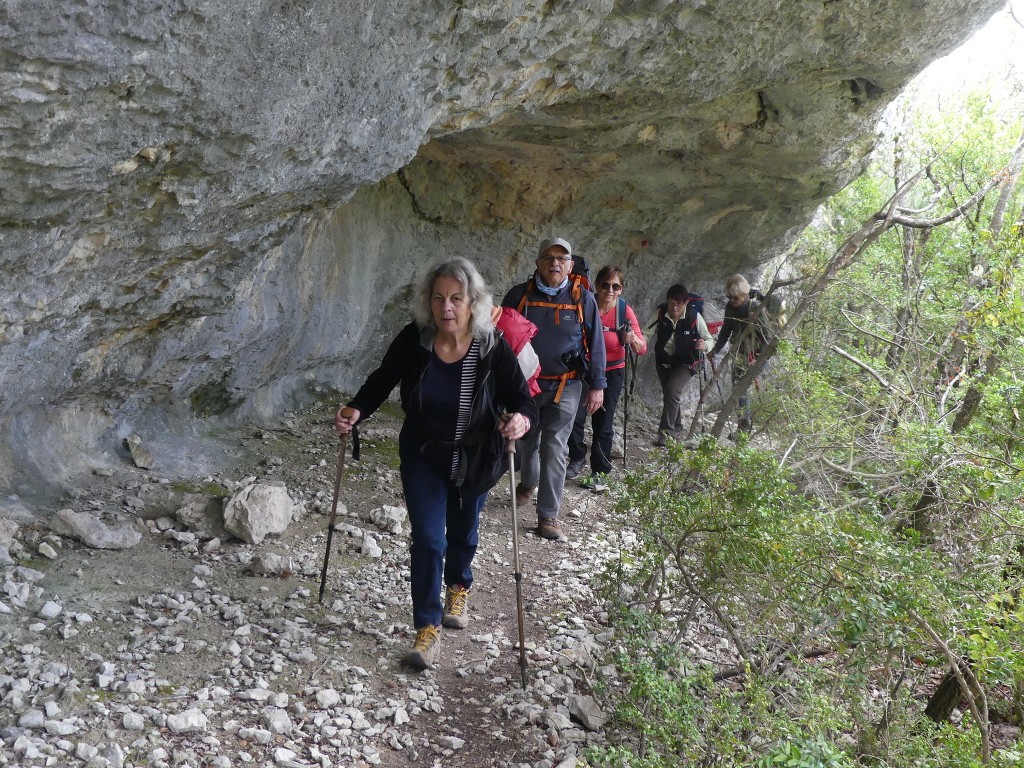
x=546, y=453
x=673, y=383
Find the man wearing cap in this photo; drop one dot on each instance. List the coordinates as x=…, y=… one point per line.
x=570, y=345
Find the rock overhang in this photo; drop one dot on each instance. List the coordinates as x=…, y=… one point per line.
x=209, y=205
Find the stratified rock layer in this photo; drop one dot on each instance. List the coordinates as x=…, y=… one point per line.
x=213, y=208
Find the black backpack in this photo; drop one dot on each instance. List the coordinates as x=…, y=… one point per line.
x=581, y=268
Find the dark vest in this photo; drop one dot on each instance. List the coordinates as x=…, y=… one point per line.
x=686, y=336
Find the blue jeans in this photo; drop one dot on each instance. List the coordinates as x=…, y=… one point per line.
x=444, y=532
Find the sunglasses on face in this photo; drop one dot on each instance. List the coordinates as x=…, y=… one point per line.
x=609, y=286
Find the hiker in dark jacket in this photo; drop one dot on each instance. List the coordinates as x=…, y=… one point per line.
x=457, y=376
x=570, y=345
x=680, y=339
x=747, y=322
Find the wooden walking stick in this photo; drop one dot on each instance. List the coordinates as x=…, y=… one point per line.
x=334, y=514
x=510, y=447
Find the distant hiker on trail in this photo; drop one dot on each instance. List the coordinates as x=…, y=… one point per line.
x=570, y=346
x=457, y=375
x=748, y=319
x=621, y=331
x=681, y=337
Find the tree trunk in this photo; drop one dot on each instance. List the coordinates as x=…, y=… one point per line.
x=947, y=696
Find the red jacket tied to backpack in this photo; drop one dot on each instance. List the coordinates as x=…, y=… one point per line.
x=518, y=331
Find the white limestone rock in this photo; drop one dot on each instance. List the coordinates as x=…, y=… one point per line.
x=277, y=720
x=585, y=710
x=271, y=564
x=327, y=698
x=8, y=530
x=259, y=510
x=50, y=610
x=93, y=532
x=47, y=551
x=204, y=515
x=140, y=454
x=189, y=721
x=388, y=518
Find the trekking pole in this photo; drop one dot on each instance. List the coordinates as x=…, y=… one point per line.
x=625, y=407
x=717, y=378
x=631, y=360
x=334, y=515
x=702, y=390
x=510, y=447
x=703, y=386
x=334, y=504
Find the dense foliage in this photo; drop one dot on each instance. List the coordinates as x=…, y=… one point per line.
x=851, y=594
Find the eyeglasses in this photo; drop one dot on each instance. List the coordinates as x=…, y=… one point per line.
x=551, y=257
x=735, y=296
x=610, y=286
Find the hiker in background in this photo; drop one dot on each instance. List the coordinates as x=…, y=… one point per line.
x=680, y=339
x=748, y=316
x=456, y=376
x=570, y=346
x=621, y=331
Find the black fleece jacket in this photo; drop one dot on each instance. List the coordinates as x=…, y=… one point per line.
x=500, y=386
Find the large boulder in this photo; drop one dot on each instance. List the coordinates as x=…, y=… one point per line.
x=259, y=510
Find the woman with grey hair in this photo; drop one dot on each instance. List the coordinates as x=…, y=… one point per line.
x=749, y=316
x=457, y=377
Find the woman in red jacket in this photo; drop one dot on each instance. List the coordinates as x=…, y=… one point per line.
x=621, y=329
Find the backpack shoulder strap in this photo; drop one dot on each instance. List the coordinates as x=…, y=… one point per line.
x=525, y=297
x=660, y=317
x=698, y=307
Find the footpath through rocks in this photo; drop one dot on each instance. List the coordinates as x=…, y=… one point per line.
x=192, y=647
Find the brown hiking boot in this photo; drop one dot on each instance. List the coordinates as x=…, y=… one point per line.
x=524, y=495
x=456, y=615
x=550, y=528
x=425, y=649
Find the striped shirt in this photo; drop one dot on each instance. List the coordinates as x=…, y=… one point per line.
x=447, y=390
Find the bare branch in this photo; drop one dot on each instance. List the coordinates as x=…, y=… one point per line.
x=997, y=178
x=874, y=374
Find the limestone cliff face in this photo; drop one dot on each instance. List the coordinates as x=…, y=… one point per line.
x=210, y=207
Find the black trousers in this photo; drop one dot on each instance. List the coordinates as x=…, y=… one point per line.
x=603, y=424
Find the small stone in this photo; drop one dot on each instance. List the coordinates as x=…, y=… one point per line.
x=32, y=718
x=140, y=455
x=50, y=610
x=451, y=742
x=47, y=551
x=189, y=721
x=327, y=698
x=60, y=727
x=277, y=721
x=85, y=751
